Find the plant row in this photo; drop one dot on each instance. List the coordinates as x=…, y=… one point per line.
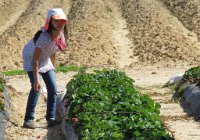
x=191, y=76
x=105, y=105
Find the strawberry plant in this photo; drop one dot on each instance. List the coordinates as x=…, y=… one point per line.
x=107, y=106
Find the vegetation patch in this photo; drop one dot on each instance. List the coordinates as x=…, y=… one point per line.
x=68, y=68
x=13, y=72
x=2, y=81
x=179, y=91
x=106, y=105
x=192, y=75
x=58, y=69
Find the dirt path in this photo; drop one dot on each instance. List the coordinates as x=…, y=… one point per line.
x=176, y=120
x=22, y=87
x=120, y=36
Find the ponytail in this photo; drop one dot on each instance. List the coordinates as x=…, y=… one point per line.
x=37, y=35
x=66, y=35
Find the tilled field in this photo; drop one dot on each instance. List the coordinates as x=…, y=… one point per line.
x=158, y=31
x=133, y=34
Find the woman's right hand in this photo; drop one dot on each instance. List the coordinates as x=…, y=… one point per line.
x=36, y=86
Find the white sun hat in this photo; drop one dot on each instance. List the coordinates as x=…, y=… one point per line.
x=55, y=13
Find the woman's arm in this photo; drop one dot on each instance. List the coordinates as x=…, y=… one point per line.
x=35, y=60
x=53, y=59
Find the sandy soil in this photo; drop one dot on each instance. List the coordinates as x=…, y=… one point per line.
x=150, y=40
x=157, y=32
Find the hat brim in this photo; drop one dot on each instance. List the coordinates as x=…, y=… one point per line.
x=59, y=17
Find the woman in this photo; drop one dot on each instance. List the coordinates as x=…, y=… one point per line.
x=39, y=56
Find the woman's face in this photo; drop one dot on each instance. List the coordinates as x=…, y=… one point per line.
x=58, y=24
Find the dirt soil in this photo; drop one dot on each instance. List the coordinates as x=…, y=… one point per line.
x=150, y=40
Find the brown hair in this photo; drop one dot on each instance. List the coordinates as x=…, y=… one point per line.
x=36, y=36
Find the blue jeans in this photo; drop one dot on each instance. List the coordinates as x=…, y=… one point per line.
x=50, y=82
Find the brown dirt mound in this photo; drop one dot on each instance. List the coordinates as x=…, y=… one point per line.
x=188, y=12
x=91, y=28
x=12, y=9
x=157, y=35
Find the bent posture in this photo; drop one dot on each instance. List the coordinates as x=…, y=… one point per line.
x=39, y=57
